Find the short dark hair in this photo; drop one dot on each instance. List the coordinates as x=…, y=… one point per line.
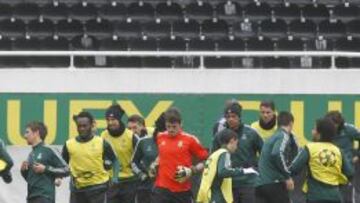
x=326, y=128
x=285, y=118
x=84, y=114
x=172, y=115
x=268, y=104
x=38, y=126
x=137, y=118
x=337, y=118
x=226, y=135
x=159, y=125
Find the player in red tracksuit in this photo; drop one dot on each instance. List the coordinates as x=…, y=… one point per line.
x=176, y=151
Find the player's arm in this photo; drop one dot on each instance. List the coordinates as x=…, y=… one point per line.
x=278, y=155
x=347, y=168
x=224, y=169
x=300, y=161
x=110, y=159
x=58, y=166
x=4, y=156
x=258, y=142
x=136, y=165
x=65, y=154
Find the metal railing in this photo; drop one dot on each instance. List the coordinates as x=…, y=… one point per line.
x=201, y=54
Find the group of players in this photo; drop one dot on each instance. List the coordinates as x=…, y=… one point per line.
x=131, y=163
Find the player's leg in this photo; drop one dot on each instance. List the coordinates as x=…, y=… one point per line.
x=97, y=196
x=247, y=194
x=160, y=195
x=182, y=197
x=40, y=200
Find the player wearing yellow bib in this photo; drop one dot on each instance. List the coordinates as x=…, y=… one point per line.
x=216, y=182
x=123, y=142
x=89, y=157
x=266, y=125
x=326, y=164
x=6, y=163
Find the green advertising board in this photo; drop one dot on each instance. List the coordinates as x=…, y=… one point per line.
x=200, y=111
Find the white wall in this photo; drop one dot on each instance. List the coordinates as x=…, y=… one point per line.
x=297, y=81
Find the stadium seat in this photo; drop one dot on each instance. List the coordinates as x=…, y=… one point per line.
x=243, y=3
x=355, y=2
x=169, y=11
x=245, y=29
x=40, y=29
x=12, y=2
x=101, y=29
x=113, y=44
x=300, y=2
x=69, y=29
x=332, y=30
x=83, y=12
x=353, y=28
x=229, y=11
x=303, y=29
x=229, y=44
x=215, y=29
x=199, y=11
x=55, y=12
x=157, y=29
x=257, y=11
x=147, y=44
x=275, y=62
x=142, y=12
x=12, y=29
x=156, y=62
x=23, y=44
x=84, y=42
x=70, y=2
x=259, y=44
x=5, y=44
x=113, y=12
x=346, y=12
x=201, y=44
x=26, y=11
x=291, y=44
x=54, y=44
x=345, y=44
x=128, y=30
x=169, y=44
x=274, y=29
x=186, y=29
x=316, y=12
x=5, y=11
x=287, y=12
x=256, y=44
x=330, y=3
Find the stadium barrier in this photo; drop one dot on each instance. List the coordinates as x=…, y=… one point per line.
x=201, y=54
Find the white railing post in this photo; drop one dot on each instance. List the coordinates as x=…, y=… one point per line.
x=202, y=62
x=333, y=62
x=72, y=62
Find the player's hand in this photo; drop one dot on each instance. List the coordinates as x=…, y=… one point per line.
x=24, y=166
x=58, y=182
x=290, y=184
x=143, y=177
x=355, y=159
x=38, y=168
x=250, y=170
x=182, y=174
x=153, y=169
